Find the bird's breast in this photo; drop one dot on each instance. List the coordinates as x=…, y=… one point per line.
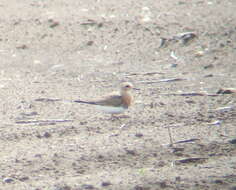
x=127, y=100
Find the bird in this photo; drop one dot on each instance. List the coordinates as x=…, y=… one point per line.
x=116, y=102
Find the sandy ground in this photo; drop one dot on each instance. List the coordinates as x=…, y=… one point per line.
x=70, y=50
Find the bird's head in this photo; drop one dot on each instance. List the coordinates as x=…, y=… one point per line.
x=126, y=86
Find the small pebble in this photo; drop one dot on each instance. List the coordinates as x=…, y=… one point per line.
x=208, y=66
x=139, y=188
x=233, y=141
x=47, y=135
x=104, y=184
x=22, y=47
x=24, y=178
x=83, y=122
x=89, y=43
x=85, y=186
x=132, y=152
x=173, y=65
x=218, y=181
x=8, y=180
x=53, y=23
x=210, y=75
x=139, y=135
x=199, y=53
x=161, y=164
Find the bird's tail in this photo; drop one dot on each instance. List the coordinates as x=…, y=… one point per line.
x=84, y=102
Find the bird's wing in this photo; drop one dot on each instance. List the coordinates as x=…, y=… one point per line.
x=110, y=100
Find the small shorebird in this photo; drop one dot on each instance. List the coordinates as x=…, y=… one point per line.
x=116, y=102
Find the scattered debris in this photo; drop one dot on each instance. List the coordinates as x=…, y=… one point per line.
x=22, y=47
x=24, y=178
x=226, y=91
x=118, y=63
x=174, y=65
x=225, y=109
x=91, y=22
x=209, y=66
x=185, y=37
x=233, y=141
x=172, y=54
x=190, y=160
x=199, y=53
x=8, y=180
x=186, y=141
x=29, y=114
x=170, y=136
x=172, y=80
x=177, y=149
x=122, y=126
x=190, y=101
x=191, y=94
x=139, y=135
x=83, y=122
x=163, y=80
x=210, y=75
x=131, y=152
x=85, y=186
x=145, y=14
x=57, y=66
x=138, y=187
x=153, y=105
x=37, y=61
x=47, y=135
x=218, y=181
x=163, y=42
x=43, y=121
x=161, y=163
x=89, y=43
x=59, y=187
x=146, y=73
x=53, y=23
x=163, y=184
x=47, y=100
x=105, y=184
x=218, y=122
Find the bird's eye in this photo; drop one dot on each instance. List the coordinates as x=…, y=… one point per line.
x=127, y=86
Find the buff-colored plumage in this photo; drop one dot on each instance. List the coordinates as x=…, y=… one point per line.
x=116, y=102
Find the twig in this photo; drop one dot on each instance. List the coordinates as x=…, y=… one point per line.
x=172, y=80
x=44, y=121
x=191, y=160
x=217, y=122
x=186, y=141
x=226, y=91
x=191, y=94
x=163, y=42
x=225, y=109
x=122, y=126
x=47, y=100
x=163, y=80
x=172, y=54
x=146, y=73
x=183, y=37
x=170, y=136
